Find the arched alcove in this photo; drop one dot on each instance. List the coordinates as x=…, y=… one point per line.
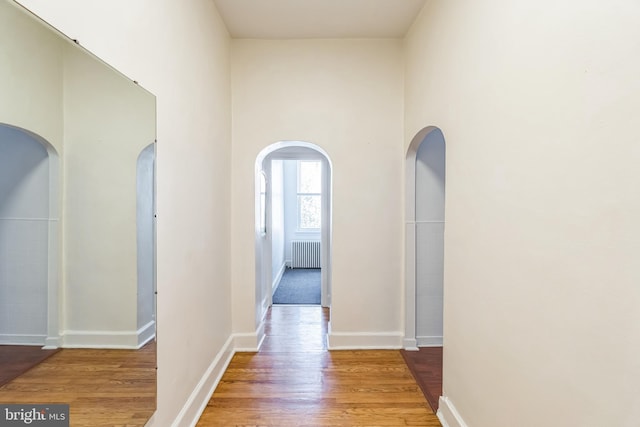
x=424, y=236
x=264, y=238
x=29, y=243
x=146, y=243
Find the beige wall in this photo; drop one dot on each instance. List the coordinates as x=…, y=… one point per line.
x=538, y=103
x=36, y=103
x=180, y=53
x=346, y=97
x=108, y=122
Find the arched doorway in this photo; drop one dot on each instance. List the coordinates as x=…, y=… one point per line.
x=29, y=244
x=424, y=232
x=269, y=245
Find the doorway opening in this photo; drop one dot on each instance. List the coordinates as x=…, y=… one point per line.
x=293, y=225
x=29, y=245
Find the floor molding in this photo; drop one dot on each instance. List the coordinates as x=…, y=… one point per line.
x=429, y=341
x=410, y=344
x=365, y=341
x=146, y=333
x=276, y=281
x=197, y=401
x=249, y=341
x=448, y=414
x=101, y=339
x=14, y=339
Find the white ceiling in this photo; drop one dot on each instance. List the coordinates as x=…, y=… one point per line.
x=289, y=19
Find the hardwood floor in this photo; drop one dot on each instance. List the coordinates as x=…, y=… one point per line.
x=102, y=387
x=426, y=366
x=15, y=360
x=295, y=381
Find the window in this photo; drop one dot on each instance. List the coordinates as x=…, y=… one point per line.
x=309, y=194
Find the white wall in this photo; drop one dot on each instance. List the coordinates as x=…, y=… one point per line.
x=108, y=122
x=346, y=97
x=538, y=102
x=24, y=238
x=430, y=199
x=180, y=54
x=33, y=58
x=277, y=222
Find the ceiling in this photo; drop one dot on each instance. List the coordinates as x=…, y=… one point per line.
x=297, y=19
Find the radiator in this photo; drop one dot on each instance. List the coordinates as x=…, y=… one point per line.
x=305, y=254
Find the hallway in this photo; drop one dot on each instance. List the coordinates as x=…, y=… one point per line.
x=295, y=381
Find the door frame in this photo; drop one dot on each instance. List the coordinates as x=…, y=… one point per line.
x=289, y=150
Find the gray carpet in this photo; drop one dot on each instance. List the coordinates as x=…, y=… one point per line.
x=298, y=286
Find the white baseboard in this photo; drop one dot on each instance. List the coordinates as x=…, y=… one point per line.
x=429, y=341
x=410, y=344
x=249, y=341
x=448, y=415
x=146, y=333
x=15, y=339
x=276, y=281
x=197, y=401
x=100, y=339
x=364, y=341
x=52, y=343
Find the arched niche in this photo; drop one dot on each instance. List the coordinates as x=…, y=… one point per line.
x=146, y=243
x=424, y=237
x=29, y=242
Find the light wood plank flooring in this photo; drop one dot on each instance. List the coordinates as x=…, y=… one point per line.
x=295, y=381
x=102, y=387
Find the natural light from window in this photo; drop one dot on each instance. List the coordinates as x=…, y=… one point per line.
x=309, y=194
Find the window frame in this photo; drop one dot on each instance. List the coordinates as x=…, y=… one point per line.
x=300, y=194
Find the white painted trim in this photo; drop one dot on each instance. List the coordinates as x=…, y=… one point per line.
x=249, y=341
x=197, y=401
x=19, y=339
x=260, y=334
x=410, y=344
x=152, y=420
x=429, y=341
x=146, y=333
x=266, y=303
x=100, y=339
x=106, y=339
x=276, y=281
x=448, y=414
x=52, y=343
x=410, y=281
x=364, y=340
